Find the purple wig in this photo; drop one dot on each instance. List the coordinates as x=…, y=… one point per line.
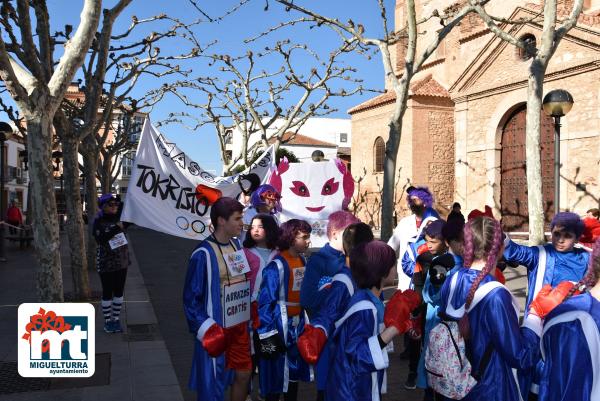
x=422, y=193
x=104, y=199
x=568, y=221
x=370, y=262
x=338, y=221
x=288, y=232
x=435, y=228
x=257, y=197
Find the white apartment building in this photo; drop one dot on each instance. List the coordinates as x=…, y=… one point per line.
x=16, y=176
x=332, y=136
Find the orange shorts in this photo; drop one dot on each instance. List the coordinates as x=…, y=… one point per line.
x=237, y=355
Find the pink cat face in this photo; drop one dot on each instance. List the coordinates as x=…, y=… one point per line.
x=313, y=190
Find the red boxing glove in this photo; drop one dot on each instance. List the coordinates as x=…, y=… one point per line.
x=397, y=310
x=412, y=298
x=311, y=343
x=549, y=298
x=214, y=340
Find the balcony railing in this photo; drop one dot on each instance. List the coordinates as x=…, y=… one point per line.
x=12, y=173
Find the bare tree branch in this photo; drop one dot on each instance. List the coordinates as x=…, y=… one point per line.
x=74, y=55
x=46, y=48
x=18, y=82
x=29, y=49
x=222, y=17
x=570, y=22
x=257, y=102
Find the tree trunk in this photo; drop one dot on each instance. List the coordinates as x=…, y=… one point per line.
x=105, y=178
x=43, y=208
x=75, y=228
x=389, y=173
x=106, y=184
x=90, y=166
x=28, y=213
x=532, y=145
x=391, y=155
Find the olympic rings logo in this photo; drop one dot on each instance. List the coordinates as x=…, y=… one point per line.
x=196, y=226
x=207, y=176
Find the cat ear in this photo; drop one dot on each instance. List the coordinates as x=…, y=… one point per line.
x=283, y=166
x=348, y=183
x=341, y=166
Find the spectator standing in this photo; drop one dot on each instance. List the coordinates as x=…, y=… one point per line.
x=14, y=216
x=456, y=213
x=409, y=229
x=112, y=260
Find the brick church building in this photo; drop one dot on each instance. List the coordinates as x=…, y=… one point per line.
x=464, y=128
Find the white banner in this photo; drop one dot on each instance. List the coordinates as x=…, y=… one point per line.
x=171, y=193
x=311, y=191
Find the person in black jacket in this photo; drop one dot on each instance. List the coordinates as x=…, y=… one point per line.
x=456, y=213
x=112, y=260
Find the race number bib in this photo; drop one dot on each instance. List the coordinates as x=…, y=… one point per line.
x=117, y=241
x=236, y=303
x=298, y=277
x=237, y=263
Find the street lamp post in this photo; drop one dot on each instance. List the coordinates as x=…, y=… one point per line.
x=5, y=134
x=556, y=104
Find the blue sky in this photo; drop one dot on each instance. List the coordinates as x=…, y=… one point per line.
x=230, y=33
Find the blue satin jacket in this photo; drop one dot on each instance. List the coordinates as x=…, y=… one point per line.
x=336, y=298
x=326, y=262
x=493, y=316
x=571, y=351
x=410, y=256
x=275, y=374
x=202, y=307
x=540, y=261
x=359, y=363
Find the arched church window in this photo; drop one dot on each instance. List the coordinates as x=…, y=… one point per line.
x=379, y=153
x=530, y=41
